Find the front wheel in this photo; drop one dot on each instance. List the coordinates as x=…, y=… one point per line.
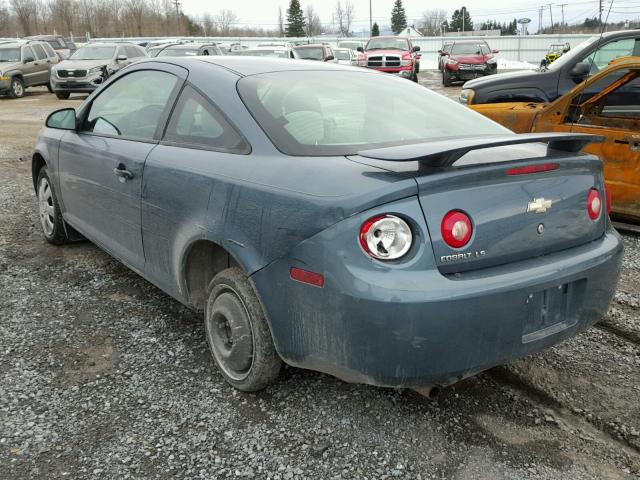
x=446, y=78
x=62, y=95
x=238, y=334
x=17, y=88
x=50, y=216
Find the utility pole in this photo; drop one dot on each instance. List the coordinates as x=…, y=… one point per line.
x=600, y=13
x=176, y=3
x=540, y=11
x=370, y=19
x=562, y=5
x=463, y=9
x=551, y=14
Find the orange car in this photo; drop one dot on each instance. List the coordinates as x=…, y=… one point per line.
x=608, y=104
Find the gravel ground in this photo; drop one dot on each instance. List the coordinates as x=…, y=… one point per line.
x=104, y=376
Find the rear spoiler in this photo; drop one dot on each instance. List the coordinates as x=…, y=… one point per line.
x=444, y=153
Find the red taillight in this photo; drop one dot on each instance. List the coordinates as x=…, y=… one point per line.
x=543, y=167
x=456, y=229
x=607, y=196
x=594, y=204
x=305, y=276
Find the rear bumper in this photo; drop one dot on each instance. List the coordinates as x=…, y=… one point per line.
x=390, y=327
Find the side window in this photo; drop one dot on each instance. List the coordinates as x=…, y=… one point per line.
x=132, y=52
x=195, y=121
x=484, y=49
x=49, y=50
x=27, y=53
x=606, y=53
x=130, y=107
x=40, y=53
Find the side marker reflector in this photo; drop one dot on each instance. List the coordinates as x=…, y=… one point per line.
x=305, y=276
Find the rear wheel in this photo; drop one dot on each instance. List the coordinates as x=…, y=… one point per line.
x=238, y=334
x=62, y=95
x=17, y=88
x=50, y=216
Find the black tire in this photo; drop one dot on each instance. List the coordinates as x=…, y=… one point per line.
x=417, y=68
x=446, y=78
x=17, y=88
x=415, y=77
x=62, y=95
x=49, y=87
x=239, y=338
x=53, y=226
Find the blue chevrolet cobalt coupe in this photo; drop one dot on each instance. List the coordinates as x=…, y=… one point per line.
x=333, y=218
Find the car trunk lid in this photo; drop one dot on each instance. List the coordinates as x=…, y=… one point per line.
x=516, y=213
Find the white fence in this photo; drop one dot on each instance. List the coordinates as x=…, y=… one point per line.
x=527, y=48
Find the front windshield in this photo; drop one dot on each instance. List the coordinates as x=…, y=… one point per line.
x=310, y=53
x=351, y=45
x=264, y=53
x=572, y=55
x=465, y=49
x=93, y=53
x=342, y=54
x=339, y=113
x=178, y=52
x=9, y=54
x=387, y=44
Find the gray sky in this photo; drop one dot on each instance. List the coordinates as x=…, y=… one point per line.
x=265, y=12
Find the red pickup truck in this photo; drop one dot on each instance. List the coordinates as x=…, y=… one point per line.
x=393, y=55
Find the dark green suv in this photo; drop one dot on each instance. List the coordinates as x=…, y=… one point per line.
x=25, y=64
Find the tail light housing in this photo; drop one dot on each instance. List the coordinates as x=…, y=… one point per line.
x=385, y=237
x=456, y=229
x=594, y=204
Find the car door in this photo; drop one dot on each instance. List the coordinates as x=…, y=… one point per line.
x=614, y=116
x=101, y=164
x=597, y=60
x=198, y=153
x=41, y=72
x=29, y=66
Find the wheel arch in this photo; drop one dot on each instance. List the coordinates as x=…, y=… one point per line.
x=37, y=162
x=202, y=260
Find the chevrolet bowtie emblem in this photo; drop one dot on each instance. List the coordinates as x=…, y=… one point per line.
x=539, y=205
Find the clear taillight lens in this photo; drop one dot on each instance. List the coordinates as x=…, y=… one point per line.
x=594, y=204
x=456, y=229
x=385, y=237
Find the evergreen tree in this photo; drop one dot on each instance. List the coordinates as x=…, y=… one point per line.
x=398, y=17
x=375, y=30
x=295, y=20
x=461, y=21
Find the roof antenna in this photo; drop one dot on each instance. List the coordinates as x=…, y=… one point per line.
x=592, y=63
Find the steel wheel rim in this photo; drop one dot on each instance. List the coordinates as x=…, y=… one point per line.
x=47, y=210
x=17, y=89
x=231, y=337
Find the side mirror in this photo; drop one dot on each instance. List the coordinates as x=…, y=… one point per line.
x=440, y=52
x=29, y=60
x=121, y=58
x=360, y=49
x=329, y=58
x=64, y=119
x=444, y=54
x=495, y=51
x=416, y=48
x=580, y=70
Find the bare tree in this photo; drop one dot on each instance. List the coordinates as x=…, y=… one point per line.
x=343, y=16
x=280, y=22
x=224, y=20
x=313, y=26
x=26, y=11
x=208, y=24
x=430, y=24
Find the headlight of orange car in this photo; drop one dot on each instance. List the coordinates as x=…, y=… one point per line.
x=466, y=96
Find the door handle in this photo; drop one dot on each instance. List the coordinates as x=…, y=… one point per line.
x=634, y=143
x=122, y=173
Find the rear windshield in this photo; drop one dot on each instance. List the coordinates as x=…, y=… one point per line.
x=342, y=54
x=387, y=43
x=178, y=52
x=310, y=53
x=465, y=49
x=94, y=53
x=340, y=113
x=264, y=53
x=9, y=54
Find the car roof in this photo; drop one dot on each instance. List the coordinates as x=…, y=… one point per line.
x=316, y=45
x=44, y=37
x=110, y=44
x=244, y=66
x=622, y=33
x=269, y=48
x=472, y=42
x=190, y=46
